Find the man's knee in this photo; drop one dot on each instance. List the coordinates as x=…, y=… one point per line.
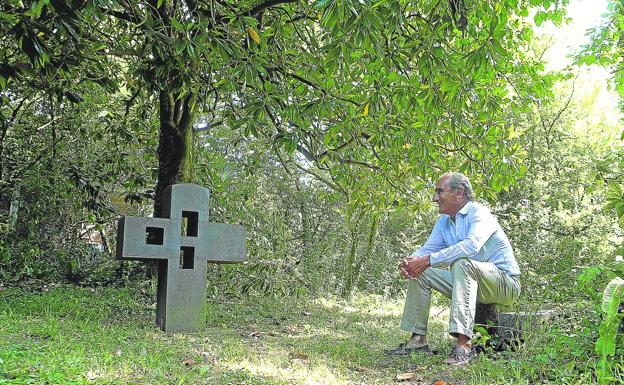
x=422, y=280
x=461, y=264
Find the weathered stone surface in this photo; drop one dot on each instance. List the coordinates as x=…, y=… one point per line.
x=515, y=325
x=510, y=325
x=485, y=313
x=183, y=242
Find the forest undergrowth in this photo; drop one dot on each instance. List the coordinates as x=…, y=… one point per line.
x=59, y=334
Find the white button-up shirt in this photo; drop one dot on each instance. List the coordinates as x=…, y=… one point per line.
x=475, y=234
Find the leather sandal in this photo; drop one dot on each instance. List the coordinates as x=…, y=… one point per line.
x=404, y=350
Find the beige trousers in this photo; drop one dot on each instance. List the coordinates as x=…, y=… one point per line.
x=467, y=283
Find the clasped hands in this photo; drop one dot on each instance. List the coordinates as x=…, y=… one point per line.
x=412, y=267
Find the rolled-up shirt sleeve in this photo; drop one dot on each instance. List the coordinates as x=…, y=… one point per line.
x=482, y=226
x=434, y=243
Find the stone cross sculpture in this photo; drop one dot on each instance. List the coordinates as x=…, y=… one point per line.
x=183, y=241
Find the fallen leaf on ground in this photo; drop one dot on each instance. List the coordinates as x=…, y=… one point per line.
x=189, y=362
x=405, y=376
x=91, y=375
x=440, y=382
x=299, y=356
x=258, y=334
x=361, y=369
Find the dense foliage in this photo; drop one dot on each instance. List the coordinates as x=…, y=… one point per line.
x=320, y=126
x=360, y=104
x=606, y=48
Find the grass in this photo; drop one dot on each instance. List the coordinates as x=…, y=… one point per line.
x=68, y=335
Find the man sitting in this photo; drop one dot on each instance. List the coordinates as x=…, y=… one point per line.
x=483, y=269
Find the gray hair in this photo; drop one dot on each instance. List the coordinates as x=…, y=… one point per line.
x=459, y=180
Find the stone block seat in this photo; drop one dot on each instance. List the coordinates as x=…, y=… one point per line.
x=511, y=325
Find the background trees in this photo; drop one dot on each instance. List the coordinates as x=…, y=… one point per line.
x=316, y=125
x=606, y=48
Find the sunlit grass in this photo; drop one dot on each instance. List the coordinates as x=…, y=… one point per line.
x=107, y=336
x=69, y=335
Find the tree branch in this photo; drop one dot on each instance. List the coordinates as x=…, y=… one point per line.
x=318, y=88
x=262, y=6
x=120, y=15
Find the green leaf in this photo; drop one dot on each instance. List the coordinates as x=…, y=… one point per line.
x=322, y=3
x=540, y=17
x=36, y=9
x=177, y=25
x=607, y=330
x=613, y=295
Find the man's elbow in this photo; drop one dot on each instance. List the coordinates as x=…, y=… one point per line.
x=470, y=248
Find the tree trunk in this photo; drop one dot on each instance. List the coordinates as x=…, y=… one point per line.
x=307, y=236
x=368, y=252
x=5, y=197
x=347, y=287
x=350, y=263
x=175, y=143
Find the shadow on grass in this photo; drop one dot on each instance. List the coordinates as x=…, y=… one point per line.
x=109, y=336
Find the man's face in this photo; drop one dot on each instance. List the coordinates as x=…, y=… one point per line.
x=449, y=201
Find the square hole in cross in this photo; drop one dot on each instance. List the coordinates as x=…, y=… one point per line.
x=190, y=221
x=187, y=257
x=154, y=235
